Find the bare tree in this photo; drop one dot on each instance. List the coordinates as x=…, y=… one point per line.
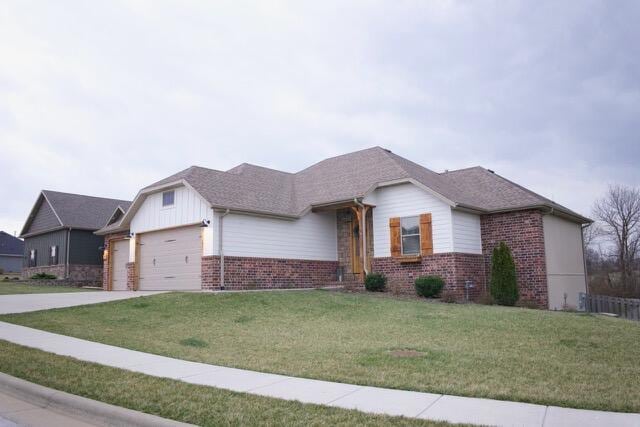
x=619, y=213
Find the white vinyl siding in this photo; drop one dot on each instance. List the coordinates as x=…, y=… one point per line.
x=466, y=233
x=188, y=208
x=404, y=200
x=312, y=237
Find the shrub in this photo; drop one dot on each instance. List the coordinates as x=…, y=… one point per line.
x=503, y=285
x=375, y=282
x=449, y=297
x=429, y=286
x=44, y=276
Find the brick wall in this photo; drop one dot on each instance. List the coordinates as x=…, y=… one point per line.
x=266, y=273
x=523, y=233
x=454, y=268
x=131, y=276
x=107, y=262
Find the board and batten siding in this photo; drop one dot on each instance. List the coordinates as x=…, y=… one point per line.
x=404, y=200
x=44, y=219
x=466, y=233
x=42, y=244
x=188, y=208
x=564, y=260
x=311, y=237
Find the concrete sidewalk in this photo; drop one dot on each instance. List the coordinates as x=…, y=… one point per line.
x=367, y=399
x=23, y=303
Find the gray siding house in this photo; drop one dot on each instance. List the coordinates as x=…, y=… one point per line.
x=11, y=251
x=59, y=235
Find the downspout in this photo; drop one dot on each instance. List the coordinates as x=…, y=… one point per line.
x=66, y=261
x=220, y=251
x=363, y=233
x=584, y=259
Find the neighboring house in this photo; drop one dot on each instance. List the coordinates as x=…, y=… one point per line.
x=11, y=251
x=59, y=235
x=253, y=227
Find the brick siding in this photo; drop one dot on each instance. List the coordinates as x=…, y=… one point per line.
x=266, y=273
x=131, y=276
x=454, y=268
x=523, y=233
x=56, y=270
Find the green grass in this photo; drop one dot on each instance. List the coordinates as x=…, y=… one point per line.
x=13, y=288
x=200, y=405
x=504, y=353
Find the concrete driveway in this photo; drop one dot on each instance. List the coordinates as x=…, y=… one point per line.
x=33, y=302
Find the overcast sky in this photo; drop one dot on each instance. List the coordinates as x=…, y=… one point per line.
x=103, y=98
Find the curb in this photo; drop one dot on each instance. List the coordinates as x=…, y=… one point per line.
x=88, y=410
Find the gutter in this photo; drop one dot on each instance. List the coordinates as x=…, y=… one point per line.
x=220, y=247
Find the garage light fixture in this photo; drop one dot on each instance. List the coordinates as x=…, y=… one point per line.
x=205, y=223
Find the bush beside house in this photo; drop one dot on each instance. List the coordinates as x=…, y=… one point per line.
x=375, y=282
x=503, y=285
x=429, y=286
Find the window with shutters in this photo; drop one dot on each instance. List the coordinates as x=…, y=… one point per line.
x=32, y=257
x=410, y=235
x=53, y=255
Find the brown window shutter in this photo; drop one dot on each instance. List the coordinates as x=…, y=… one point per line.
x=394, y=229
x=426, y=235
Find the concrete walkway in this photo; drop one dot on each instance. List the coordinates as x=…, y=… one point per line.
x=23, y=303
x=19, y=412
x=367, y=399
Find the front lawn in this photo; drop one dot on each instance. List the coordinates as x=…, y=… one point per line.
x=535, y=356
x=200, y=405
x=14, y=288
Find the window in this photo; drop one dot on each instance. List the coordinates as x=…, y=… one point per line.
x=53, y=255
x=410, y=229
x=168, y=198
x=32, y=257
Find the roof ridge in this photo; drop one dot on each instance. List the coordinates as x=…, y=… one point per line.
x=376, y=147
x=462, y=169
x=258, y=166
x=84, y=195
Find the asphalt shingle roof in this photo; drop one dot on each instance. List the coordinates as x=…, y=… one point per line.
x=86, y=212
x=258, y=189
x=10, y=245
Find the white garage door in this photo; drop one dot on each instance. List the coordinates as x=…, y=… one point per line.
x=120, y=258
x=170, y=259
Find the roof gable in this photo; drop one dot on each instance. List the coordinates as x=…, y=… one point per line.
x=69, y=211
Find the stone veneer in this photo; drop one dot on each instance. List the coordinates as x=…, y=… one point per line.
x=57, y=270
x=106, y=271
x=455, y=268
x=266, y=273
x=79, y=274
x=523, y=233
x=131, y=277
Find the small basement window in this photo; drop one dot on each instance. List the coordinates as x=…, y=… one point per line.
x=410, y=228
x=168, y=198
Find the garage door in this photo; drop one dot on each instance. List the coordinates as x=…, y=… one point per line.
x=170, y=259
x=120, y=258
